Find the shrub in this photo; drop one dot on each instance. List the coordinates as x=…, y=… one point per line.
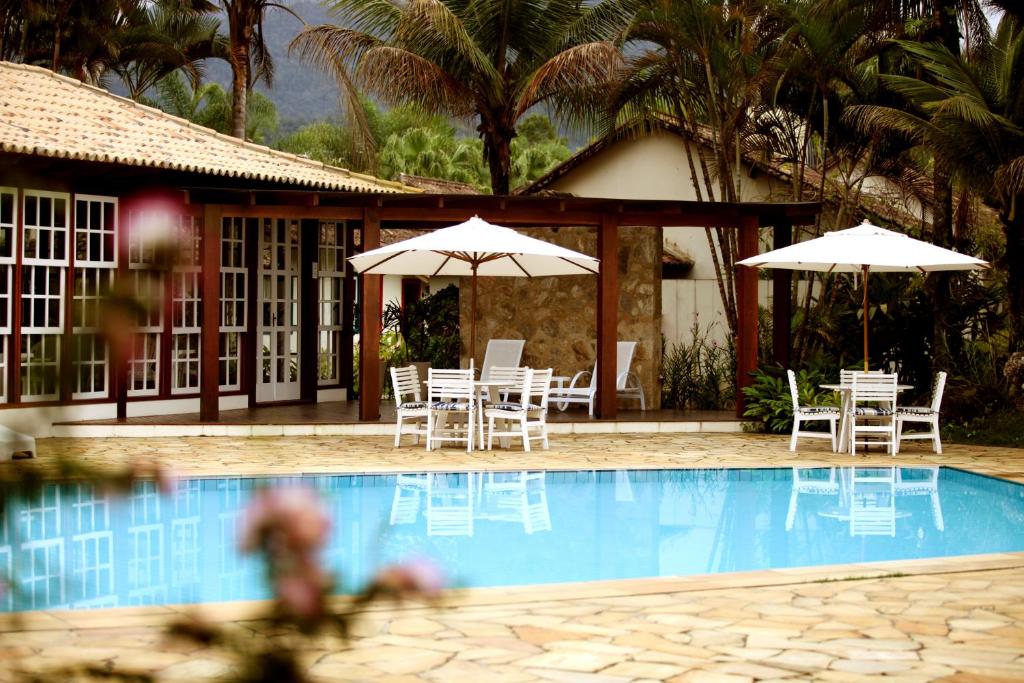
x=769, y=399
x=698, y=375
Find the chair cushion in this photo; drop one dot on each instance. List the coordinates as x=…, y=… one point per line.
x=449, y=405
x=818, y=410
x=413, y=405
x=915, y=410
x=869, y=411
x=511, y=407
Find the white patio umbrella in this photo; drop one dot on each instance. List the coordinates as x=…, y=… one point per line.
x=863, y=249
x=474, y=248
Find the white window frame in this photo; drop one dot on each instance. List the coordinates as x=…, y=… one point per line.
x=55, y=232
x=102, y=230
x=226, y=358
x=186, y=350
x=330, y=273
x=10, y=226
x=30, y=365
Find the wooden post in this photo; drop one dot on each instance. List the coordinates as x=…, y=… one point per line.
x=369, y=326
x=309, y=293
x=120, y=353
x=252, y=345
x=746, y=310
x=607, y=315
x=782, y=308
x=209, y=366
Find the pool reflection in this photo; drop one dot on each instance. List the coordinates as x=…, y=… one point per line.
x=75, y=546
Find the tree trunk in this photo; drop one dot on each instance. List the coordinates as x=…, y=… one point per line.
x=946, y=342
x=239, y=88
x=1013, y=226
x=498, y=150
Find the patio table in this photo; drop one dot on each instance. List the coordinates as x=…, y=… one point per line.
x=846, y=390
x=479, y=385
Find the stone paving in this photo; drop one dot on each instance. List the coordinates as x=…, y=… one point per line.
x=955, y=619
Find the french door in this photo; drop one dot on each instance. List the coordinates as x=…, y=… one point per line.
x=278, y=330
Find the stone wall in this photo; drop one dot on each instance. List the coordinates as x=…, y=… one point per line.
x=557, y=315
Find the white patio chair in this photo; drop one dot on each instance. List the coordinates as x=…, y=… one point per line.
x=811, y=414
x=809, y=481
x=873, y=501
x=928, y=415
x=627, y=383
x=448, y=392
x=500, y=353
x=872, y=408
x=409, y=405
x=450, y=502
x=14, y=443
x=530, y=412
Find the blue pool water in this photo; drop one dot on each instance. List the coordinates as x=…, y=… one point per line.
x=76, y=547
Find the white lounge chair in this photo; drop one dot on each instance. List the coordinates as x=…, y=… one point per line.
x=627, y=383
x=810, y=414
x=928, y=415
x=450, y=500
x=808, y=481
x=450, y=391
x=410, y=409
x=501, y=353
x=530, y=412
x=872, y=408
x=14, y=443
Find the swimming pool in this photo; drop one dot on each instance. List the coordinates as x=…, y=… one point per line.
x=75, y=547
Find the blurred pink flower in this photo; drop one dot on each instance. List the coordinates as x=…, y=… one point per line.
x=301, y=593
x=291, y=518
x=416, y=576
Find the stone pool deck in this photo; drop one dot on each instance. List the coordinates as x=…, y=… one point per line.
x=959, y=619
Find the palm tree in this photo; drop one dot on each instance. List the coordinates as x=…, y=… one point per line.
x=250, y=59
x=492, y=60
x=165, y=36
x=970, y=117
x=704, y=65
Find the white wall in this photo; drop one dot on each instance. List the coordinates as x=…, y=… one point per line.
x=655, y=167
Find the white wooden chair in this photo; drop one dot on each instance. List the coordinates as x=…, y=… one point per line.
x=409, y=492
x=872, y=410
x=627, y=383
x=448, y=392
x=410, y=409
x=14, y=443
x=811, y=414
x=530, y=412
x=927, y=415
x=873, y=501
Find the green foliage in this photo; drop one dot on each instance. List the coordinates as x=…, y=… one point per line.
x=210, y=105
x=769, y=398
x=699, y=374
x=434, y=152
x=323, y=141
x=1001, y=428
x=426, y=330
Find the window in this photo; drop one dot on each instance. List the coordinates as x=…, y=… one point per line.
x=90, y=361
x=186, y=306
x=8, y=222
x=144, y=365
x=185, y=363
x=95, y=230
x=41, y=297
x=230, y=360
x=42, y=570
x=45, y=228
x=95, y=262
x=39, y=360
x=331, y=278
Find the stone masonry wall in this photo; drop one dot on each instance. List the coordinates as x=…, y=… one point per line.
x=557, y=315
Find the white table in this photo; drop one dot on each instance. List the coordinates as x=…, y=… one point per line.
x=844, y=410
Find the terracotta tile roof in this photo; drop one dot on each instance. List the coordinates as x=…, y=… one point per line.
x=437, y=185
x=46, y=114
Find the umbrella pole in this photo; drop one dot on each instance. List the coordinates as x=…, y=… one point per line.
x=864, y=276
x=472, y=323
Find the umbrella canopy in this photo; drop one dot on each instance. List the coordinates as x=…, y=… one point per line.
x=864, y=249
x=474, y=248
